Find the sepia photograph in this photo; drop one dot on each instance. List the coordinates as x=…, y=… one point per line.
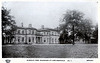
x=49, y=29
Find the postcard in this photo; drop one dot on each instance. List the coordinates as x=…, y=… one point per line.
x=49, y=31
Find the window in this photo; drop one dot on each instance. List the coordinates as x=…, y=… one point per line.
x=18, y=39
x=22, y=31
x=29, y=39
x=33, y=32
x=18, y=31
x=55, y=33
x=42, y=33
x=52, y=33
x=29, y=31
x=52, y=39
x=33, y=39
x=25, y=31
x=47, y=33
x=44, y=40
x=22, y=39
x=55, y=39
x=47, y=39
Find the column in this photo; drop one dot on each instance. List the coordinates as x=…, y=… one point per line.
x=31, y=39
x=41, y=39
x=34, y=40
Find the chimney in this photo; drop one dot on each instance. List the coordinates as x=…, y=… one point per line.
x=22, y=24
x=57, y=28
x=42, y=26
x=30, y=26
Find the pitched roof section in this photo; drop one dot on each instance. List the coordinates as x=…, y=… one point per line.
x=26, y=28
x=39, y=30
x=47, y=29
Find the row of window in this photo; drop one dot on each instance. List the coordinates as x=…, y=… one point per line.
x=26, y=31
x=48, y=33
x=51, y=40
x=34, y=32
x=23, y=39
x=31, y=39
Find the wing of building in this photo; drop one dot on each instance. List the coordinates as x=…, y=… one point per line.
x=30, y=35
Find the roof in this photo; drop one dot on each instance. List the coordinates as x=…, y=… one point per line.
x=39, y=30
x=47, y=29
x=43, y=30
x=26, y=28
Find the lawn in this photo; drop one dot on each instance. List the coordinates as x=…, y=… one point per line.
x=50, y=51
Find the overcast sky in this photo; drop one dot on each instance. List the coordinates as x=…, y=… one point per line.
x=48, y=13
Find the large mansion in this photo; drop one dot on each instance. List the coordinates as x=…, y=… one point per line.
x=30, y=35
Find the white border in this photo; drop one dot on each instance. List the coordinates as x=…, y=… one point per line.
x=71, y=60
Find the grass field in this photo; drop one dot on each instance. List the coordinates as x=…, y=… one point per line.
x=50, y=51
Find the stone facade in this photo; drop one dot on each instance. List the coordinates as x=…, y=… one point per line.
x=30, y=35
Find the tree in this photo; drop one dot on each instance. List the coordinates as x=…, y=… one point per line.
x=95, y=34
x=63, y=37
x=87, y=24
x=78, y=24
x=8, y=26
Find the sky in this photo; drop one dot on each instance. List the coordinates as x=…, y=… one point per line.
x=48, y=14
